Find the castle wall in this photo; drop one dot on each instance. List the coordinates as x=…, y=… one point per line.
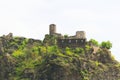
x=71, y=43
x=79, y=40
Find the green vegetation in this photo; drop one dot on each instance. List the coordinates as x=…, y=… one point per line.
x=65, y=36
x=107, y=45
x=79, y=51
x=104, y=44
x=94, y=42
x=29, y=59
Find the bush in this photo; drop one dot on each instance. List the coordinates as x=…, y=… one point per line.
x=66, y=36
x=107, y=45
x=68, y=51
x=17, y=53
x=94, y=42
x=79, y=50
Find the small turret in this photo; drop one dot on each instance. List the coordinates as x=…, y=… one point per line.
x=80, y=34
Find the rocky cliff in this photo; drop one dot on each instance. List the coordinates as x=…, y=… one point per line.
x=29, y=59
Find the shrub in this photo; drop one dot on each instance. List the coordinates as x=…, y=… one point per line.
x=79, y=50
x=17, y=53
x=68, y=51
x=94, y=42
x=107, y=45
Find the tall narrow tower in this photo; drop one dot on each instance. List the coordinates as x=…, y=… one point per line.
x=52, y=29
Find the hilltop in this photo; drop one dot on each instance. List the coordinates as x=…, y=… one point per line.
x=29, y=59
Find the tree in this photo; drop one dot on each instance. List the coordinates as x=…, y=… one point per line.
x=65, y=36
x=50, y=40
x=94, y=42
x=107, y=45
x=79, y=50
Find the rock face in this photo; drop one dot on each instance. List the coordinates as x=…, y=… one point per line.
x=30, y=59
x=76, y=68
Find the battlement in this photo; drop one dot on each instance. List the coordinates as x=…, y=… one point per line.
x=78, y=40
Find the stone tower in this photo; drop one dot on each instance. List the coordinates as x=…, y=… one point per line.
x=80, y=34
x=52, y=29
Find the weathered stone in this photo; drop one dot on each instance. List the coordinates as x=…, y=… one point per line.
x=79, y=40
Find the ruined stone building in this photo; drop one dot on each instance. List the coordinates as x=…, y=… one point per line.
x=78, y=40
x=52, y=30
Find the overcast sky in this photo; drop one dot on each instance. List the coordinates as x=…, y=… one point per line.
x=31, y=18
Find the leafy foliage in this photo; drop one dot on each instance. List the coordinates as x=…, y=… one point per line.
x=65, y=36
x=107, y=44
x=94, y=42
x=49, y=40
x=79, y=51
x=17, y=53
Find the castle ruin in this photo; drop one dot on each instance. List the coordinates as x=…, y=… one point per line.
x=78, y=40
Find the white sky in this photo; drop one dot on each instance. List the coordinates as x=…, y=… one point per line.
x=31, y=18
